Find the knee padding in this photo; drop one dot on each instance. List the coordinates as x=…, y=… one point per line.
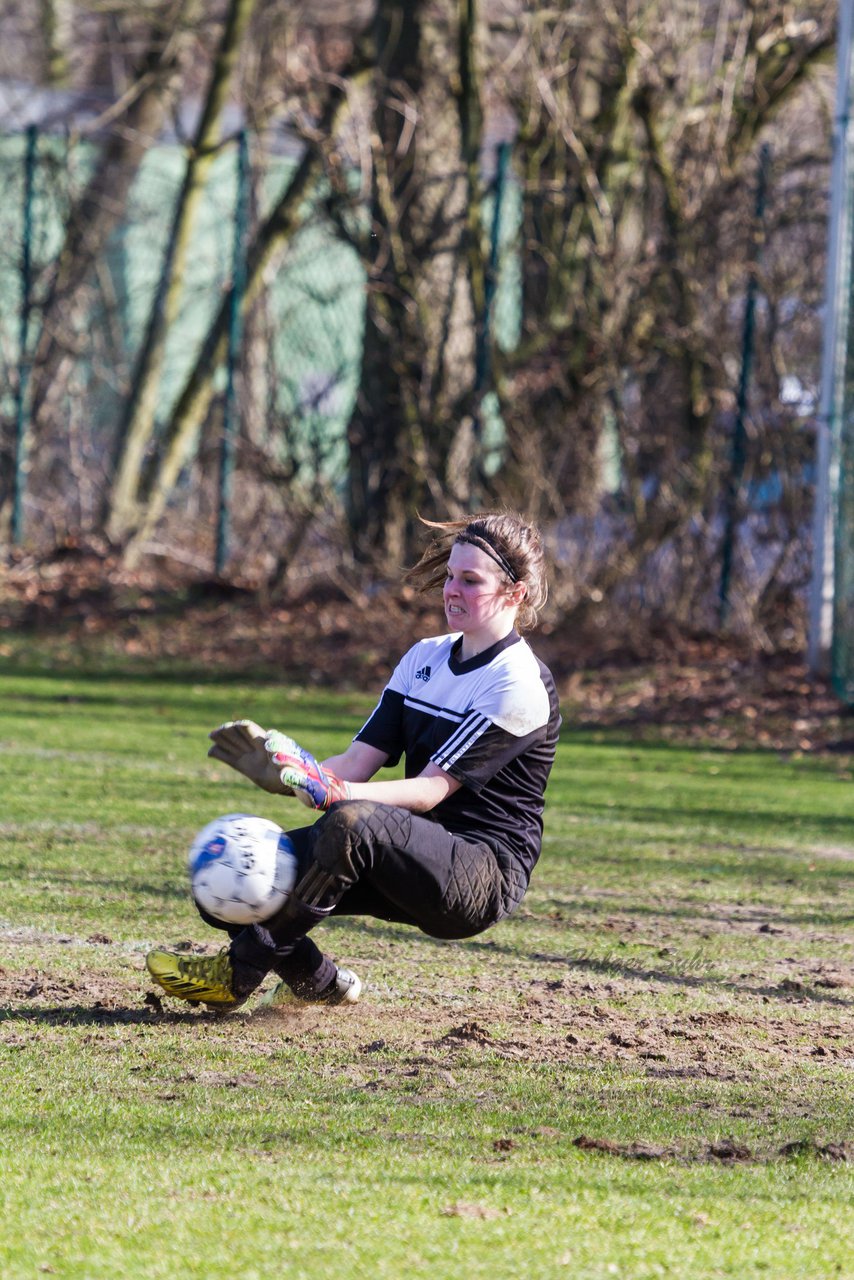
x=346, y=837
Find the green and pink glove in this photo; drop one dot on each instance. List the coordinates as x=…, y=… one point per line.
x=298, y=769
x=276, y=763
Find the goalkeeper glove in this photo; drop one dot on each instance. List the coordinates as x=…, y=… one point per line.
x=298, y=769
x=242, y=744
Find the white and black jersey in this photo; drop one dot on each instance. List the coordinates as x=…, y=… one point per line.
x=491, y=722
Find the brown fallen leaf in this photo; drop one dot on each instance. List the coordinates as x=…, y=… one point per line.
x=462, y=1209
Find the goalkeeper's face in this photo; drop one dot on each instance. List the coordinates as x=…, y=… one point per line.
x=479, y=599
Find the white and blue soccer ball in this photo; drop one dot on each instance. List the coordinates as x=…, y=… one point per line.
x=242, y=868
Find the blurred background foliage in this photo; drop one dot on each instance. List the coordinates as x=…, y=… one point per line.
x=278, y=278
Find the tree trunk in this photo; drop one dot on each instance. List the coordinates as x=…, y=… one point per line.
x=138, y=423
x=418, y=363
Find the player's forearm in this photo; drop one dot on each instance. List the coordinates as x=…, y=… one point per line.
x=348, y=770
x=357, y=764
x=418, y=795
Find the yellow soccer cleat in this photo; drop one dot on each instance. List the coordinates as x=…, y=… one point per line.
x=197, y=979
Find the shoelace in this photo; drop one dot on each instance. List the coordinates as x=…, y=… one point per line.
x=206, y=968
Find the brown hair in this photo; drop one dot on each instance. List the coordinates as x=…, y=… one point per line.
x=510, y=541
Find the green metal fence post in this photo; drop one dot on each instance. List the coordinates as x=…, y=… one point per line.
x=491, y=282
x=483, y=347
x=24, y=362
x=235, y=335
x=837, y=308
x=739, y=435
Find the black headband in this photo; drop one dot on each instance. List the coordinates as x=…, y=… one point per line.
x=485, y=544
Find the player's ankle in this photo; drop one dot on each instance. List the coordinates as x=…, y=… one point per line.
x=245, y=977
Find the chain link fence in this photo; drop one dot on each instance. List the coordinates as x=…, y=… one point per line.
x=310, y=315
x=285, y=389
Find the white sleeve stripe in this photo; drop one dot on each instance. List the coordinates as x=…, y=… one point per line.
x=431, y=708
x=459, y=742
x=472, y=719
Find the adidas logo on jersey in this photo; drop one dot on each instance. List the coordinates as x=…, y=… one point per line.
x=424, y=674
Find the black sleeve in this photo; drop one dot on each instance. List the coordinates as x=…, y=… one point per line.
x=384, y=728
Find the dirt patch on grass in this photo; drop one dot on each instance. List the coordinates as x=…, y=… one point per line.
x=546, y=1020
x=773, y=1071
x=726, y=1151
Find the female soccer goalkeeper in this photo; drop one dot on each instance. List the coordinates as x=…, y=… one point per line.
x=450, y=847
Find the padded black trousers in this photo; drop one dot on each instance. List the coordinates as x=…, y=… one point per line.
x=382, y=861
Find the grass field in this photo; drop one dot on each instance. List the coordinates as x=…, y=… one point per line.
x=647, y=1072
